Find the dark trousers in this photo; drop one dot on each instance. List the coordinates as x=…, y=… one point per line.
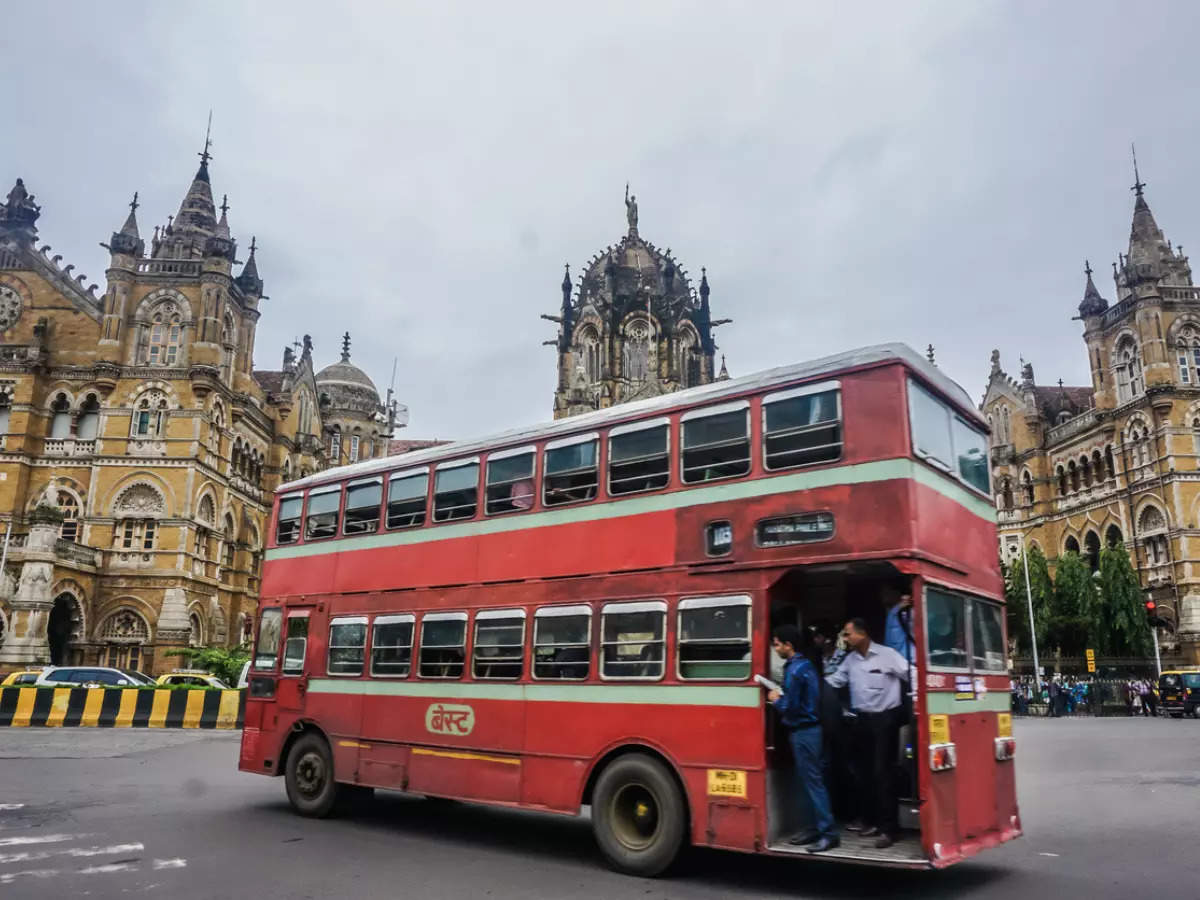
x=876, y=737
x=810, y=772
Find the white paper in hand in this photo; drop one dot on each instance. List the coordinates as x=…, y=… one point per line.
x=767, y=683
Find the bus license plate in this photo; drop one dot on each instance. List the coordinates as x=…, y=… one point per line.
x=726, y=783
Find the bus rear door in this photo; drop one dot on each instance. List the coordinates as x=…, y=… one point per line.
x=293, y=674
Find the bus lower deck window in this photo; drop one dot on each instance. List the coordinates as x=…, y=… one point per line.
x=322, y=518
x=361, y=515
x=562, y=640
x=391, y=646
x=456, y=492
x=633, y=639
x=296, y=644
x=945, y=628
x=509, y=484
x=716, y=446
x=987, y=637
x=443, y=645
x=801, y=429
x=406, y=500
x=269, y=630
x=347, y=640
x=287, y=530
x=638, y=460
x=570, y=473
x=714, y=638
x=499, y=648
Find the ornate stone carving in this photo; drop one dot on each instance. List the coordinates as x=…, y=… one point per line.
x=124, y=627
x=10, y=307
x=140, y=500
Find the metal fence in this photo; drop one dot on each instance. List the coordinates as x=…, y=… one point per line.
x=1074, y=696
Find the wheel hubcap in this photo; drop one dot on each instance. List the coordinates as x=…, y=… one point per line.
x=634, y=812
x=310, y=774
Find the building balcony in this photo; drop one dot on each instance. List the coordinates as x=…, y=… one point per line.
x=68, y=447
x=65, y=551
x=1010, y=516
x=1072, y=427
x=1186, y=294
x=1002, y=454
x=169, y=267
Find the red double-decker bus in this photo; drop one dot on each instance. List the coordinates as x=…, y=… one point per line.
x=573, y=615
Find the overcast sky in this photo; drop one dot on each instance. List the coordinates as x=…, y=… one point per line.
x=418, y=174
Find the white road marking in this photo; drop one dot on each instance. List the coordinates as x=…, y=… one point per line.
x=1049, y=854
x=109, y=868
x=42, y=839
x=104, y=851
x=176, y=863
x=8, y=806
x=10, y=877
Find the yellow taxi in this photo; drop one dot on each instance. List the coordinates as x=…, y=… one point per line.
x=21, y=677
x=191, y=678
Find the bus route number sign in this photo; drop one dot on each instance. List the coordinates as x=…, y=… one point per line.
x=727, y=783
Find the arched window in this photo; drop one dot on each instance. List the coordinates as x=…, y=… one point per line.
x=1097, y=467
x=589, y=354
x=355, y=441
x=1027, y=488
x=1152, y=528
x=229, y=545
x=1129, y=371
x=1074, y=473
x=68, y=508
x=638, y=354
x=1071, y=545
x=1109, y=464
x=228, y=346
x=206, y=510
x=1187, y=351
x=1091, y=544
x=1112, y=536
x=136, y=534
x=166, y=336
x=1006, y=494
x=123, y=636
x=89, y=419
x=1062, y=482
x=60, y=419
x=150, y=416
x=1085, y=472
x=5, y=411
x=335, y=447
x=196, y=634
x=689, y=359
x=200, y=543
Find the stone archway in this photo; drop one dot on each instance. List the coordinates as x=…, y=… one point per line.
x=64, y=630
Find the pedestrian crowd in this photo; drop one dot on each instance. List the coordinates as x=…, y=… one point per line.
x=1069, y=695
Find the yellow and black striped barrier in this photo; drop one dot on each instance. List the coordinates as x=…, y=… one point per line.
x=68, y=707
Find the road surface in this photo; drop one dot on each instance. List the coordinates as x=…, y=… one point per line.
x=1109, y=807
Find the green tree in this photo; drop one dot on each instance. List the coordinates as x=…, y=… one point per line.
x=1072, y=607
x=1121, y=616
x=1040, y=587
x=225, y=663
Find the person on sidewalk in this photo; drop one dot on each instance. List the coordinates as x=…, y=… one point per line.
x=874, y=673
x=799, y=708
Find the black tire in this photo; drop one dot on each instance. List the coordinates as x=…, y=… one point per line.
x=638, y=815
x=1177, y=715
x=309, y=777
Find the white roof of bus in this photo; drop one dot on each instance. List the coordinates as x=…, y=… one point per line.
x=705, y=394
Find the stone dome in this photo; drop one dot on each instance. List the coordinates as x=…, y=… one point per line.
x=346, y=384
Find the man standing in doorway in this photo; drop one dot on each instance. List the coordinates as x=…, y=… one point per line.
x=799, y=708
x=897, y=629
x=874, y=673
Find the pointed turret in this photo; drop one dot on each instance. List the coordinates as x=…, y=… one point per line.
x=128, y=241
x=724, y=373
x=566, y=319
x=1151, y=260
x=186, y=235
x=249, y=281
x=704, y=318
x=1092, y=304
x=346, y=347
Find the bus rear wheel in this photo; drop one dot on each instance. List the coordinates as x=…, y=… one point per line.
x=638, y=815
x=309, y=777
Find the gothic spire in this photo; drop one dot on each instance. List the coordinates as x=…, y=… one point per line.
x=127, y=241
x=249, y=281
x=222, y=229
x=1093, y=304
x=346, y=347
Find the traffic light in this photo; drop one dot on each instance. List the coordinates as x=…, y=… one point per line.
x=1157, y=617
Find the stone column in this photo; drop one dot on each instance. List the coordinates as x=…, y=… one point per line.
x=173, y=629
x=27, y=644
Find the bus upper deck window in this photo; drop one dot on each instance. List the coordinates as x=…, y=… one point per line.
x=287, y=529
x=802, y=426
x=267, y=650
x=633, y=639
x=509, y=481
x=296, y=644
x=946, y=439
x=443, y=645
x=638, y=457
x=391, y=646
x=322, y=517
x=570, y=474
x=562, y=642
x=456, y=491
x=945, y=629
x=499, y=648
x=716, y=443
x=714, y=638
x=363, y=498
x=347, y=643
x=407, y=498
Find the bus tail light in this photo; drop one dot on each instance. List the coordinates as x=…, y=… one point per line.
x=1006, y=748
x=942, y=757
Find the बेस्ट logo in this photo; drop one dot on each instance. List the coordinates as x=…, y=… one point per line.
x=453, y=719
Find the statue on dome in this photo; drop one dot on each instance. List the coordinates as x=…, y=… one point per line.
x=631, y=211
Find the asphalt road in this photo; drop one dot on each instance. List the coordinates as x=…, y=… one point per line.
x=1109, y=806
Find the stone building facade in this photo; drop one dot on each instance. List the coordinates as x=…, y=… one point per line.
x=634, y=326
x=139, y=448
x=1075, y=468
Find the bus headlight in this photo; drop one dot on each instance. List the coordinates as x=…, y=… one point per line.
x=942, y=757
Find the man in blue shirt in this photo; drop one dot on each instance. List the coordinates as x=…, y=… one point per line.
x=799, y=708
x=897, y=627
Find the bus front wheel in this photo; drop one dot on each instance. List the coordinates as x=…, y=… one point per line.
x=310, y=786
x=638, y=815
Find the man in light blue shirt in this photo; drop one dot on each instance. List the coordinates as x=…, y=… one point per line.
x=874, y=672
x=898, y=626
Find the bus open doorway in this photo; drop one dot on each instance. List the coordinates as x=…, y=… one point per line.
x=819, y=600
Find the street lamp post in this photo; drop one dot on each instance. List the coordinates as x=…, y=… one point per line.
x=1037, y=669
